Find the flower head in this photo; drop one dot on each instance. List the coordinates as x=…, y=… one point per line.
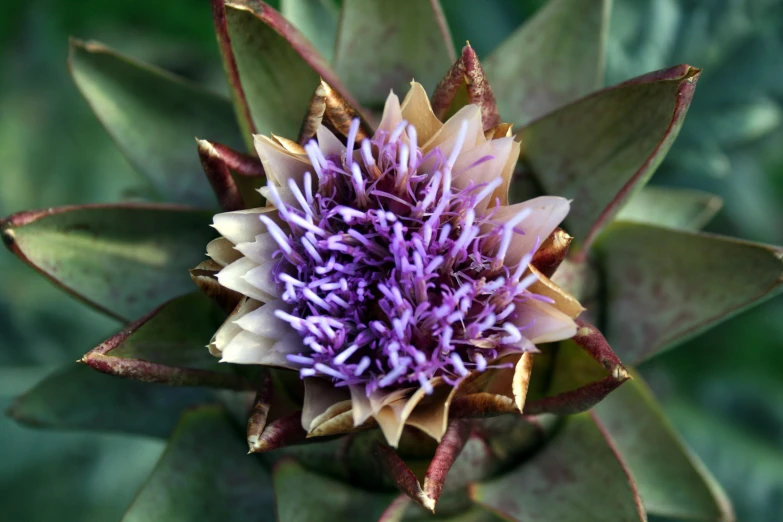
x=389, y=266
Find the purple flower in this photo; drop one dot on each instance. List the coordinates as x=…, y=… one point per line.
x=390, y=269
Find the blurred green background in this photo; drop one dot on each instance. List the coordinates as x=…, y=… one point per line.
x=723, y=390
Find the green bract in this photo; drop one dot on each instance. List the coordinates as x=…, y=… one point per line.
x=638, y=262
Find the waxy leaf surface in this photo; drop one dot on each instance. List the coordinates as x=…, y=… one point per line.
x=77, y=397
x=671, y=480
x=205, y=474
x=273, y=70
x=553, y=59
x=682, y=209
x=663, y=286
x=327, y=499
x=124, y=259
x=576, y=477
x=601, y=149
x=385, y=45
x=153, y=117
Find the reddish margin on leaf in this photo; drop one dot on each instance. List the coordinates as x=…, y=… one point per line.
x=9, y=225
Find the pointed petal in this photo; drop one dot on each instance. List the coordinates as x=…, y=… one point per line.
x=682, y=209
x=262, y=277
x=552, y=252
x=467, y=71
x=578, y=463
x=563, y=301
x=389, y=418
x=247, y=348
x=233, y=278
x=271, y=66
x=123, y=259
x=263, y=321
x=259, y=251
x=502, y=192
x=417, y=111
x=205, y=277
x=329, y=143
x=383, y=46
x=241, y=226
x=153, y=116
x=521, y=380
x=432, y=414
x=554, y=58
x=392, y=114
x=543, y=323
x=601, y=149
x=446, y=138
x=280, y=164
x=672, y=481
x=360, y=405
x=222, y=251
x=466, y=170
x=229, y=329
x=547, y=213
x=664, y=286
x=322, y=401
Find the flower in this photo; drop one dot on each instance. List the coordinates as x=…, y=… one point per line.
x=389, y=269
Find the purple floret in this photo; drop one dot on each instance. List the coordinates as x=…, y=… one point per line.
x=391, y=279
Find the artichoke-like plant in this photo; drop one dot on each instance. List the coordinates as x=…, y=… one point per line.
x=395, y=293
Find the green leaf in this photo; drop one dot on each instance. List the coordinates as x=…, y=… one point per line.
x=601, y=149
x=123, y=259
x=576, y=477
x=554, y=58
x=326, y=499
x=672, y=481
x=316, y=19
x=273, y=70
x=205, y=474
x=78, y=397
x=682, y=209
x=169, y=346
x=153, y=117
x=385, y=45
x=663, y=286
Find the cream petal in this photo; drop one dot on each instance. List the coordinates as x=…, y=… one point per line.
x=547, y=213
x=521, y=379
x=262, y=277
x=432, y=415
x=543, y=323
x=416, y=109
x=563, y=301
x=241, y=226
x=247, y=348
x=392, y=114
x=446, y=137
x=263, y=321
x=328, y=142
x=229, y=329
x=233, y=278
x=286, y=196
x=260, y=250
x=222, y=251
x=360, y=404
x=289, y=145
x=280, y=164
x=465, y=171
x=390, y=421
x=322, y=401
x=508, y=171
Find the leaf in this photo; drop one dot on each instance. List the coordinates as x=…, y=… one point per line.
x=327, y=500
x=554, y=58
x=672, y=481
x=682, y=209
x=273, y=69
x=205, y=474
x=79, y=398
x=169, y=346
x=316, y=19
x=577, y=476
x=386, y=45
x=123, y=259
x=601, y=149
x=153, y=117
x=663, y=286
